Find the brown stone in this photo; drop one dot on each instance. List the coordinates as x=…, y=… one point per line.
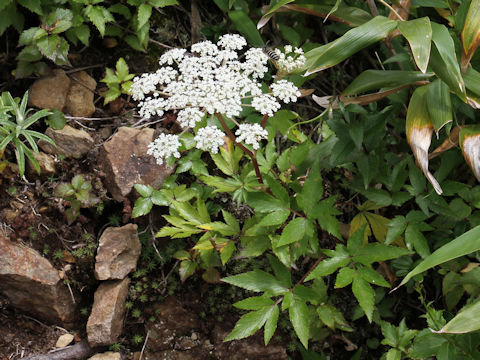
x=172, y=322
x=109, y=355
x=105, y=323
x=70, y=142
x=50, y=92
x=125, y=161
x=46, y=163
x=80, y=96
x=117, y=253
x=33, y=285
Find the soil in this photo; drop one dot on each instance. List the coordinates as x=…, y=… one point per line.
x=32, y=215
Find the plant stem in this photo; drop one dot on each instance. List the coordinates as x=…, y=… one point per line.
x=241, y=146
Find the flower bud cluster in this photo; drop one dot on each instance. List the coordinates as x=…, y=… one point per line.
x=212, y=79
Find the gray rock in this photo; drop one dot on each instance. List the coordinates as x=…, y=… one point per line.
x=80, y=95
x=70, y=142
x=33, y=285
x=117, y=253
x=105, y=323
x=50, y=92
x=125, y=161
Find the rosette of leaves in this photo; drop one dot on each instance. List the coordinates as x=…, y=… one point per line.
x=118, y=81
x=17, y=131
x=44, y=41
x=79, y=195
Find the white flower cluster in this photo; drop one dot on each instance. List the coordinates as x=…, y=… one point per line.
x=290, y=60
x=251, y=134
x=209, y=138
x=212, y=79
x=163, y=147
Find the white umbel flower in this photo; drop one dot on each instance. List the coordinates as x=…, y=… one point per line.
x=285, y=91
x=265, y=104
x=163, y=147
x=251, y=134
x=188, y=117
x=205, y=48
x=209, y=138
x=171, y=56
x=291, y=60
x=232, y=42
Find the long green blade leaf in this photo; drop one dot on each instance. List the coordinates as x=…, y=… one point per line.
x=467, y=320
x=377, y=79
x=418, y=33
x=462, y=245
x=352, y=41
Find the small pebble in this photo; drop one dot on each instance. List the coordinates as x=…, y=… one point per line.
x=64, y=340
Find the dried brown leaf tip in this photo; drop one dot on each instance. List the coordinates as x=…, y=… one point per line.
x=470, y=144
x=419, y=128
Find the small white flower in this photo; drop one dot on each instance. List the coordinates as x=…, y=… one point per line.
x=290, y=63
x=205, y=48
x=209, y=138
x=163, y=147
x=232, y=42
x=265, y=104
x=288, y=49
x=171, y=56
x=285, y=91
x=152, y=106
x=188, y=117
x=251, y=134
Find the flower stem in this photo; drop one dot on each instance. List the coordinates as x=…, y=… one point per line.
x=241, y=146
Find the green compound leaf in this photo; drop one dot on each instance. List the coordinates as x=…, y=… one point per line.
x=250, y=323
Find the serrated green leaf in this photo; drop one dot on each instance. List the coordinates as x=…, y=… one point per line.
x=374, y=252
x=56, y=120
x=344, y=277
x=254, y=303
x=271, y=325
x=263, y=202
x=414, y=238
x=396, y=227
x=144, y=190
x=250, y=323
x=365, y=296
x=257, y=280
x=48, y=46
x=328, y=266
x=298, y=313
x=187, y=268
x=144, y=13
x=293, y=232
x=371, y=276
x=275, y=218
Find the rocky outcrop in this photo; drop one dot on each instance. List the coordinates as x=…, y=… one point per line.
x=70, y=142
x=58, y=91
x=50, y=92
x=125, y=162
x=117, y=253
x=106, y=319
x=172, y=322
x=33, y=285
x=80, y=95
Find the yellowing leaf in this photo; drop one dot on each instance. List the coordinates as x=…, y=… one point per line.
x=470, y=144
x=419, y=130
x=471, y=33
